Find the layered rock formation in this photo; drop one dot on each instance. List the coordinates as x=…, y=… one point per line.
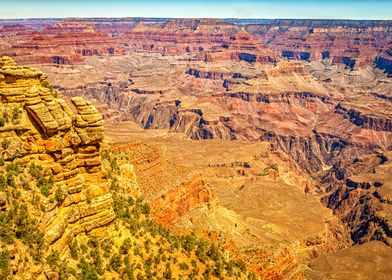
x=63, y=43
x=353, y=43
x=359, y=192
x=289, y=107
x=180, y=36
x=171, y=191
x=58, y=41
x=65, y=143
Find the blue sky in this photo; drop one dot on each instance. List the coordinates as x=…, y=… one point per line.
x=326, y=9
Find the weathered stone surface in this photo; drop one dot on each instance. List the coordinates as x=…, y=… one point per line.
x=39, y=128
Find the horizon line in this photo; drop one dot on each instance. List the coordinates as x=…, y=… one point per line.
x=223, y=18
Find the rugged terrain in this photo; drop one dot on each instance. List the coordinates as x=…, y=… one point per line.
x=70, y=209
x=272, y=137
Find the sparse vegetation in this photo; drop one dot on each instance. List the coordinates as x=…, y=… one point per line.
x=16, y=112
x=5, y=144
x=141, y=248
x=59, y=194
x=45, y=185
x=4, y=265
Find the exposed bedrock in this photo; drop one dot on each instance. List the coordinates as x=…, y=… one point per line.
x=354, y=43
x=365, y=121
x=311, y=151
x=283, y=97
x=384, y=63
x=214, y=75
x=358, y=191
x=171, y=190
x=64, y=142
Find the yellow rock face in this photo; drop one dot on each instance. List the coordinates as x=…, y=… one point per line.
x=39, y=128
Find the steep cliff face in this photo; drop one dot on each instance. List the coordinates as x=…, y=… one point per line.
x=171, y=190
x=42, y=129
x=384, y=63
x=359, y=192
x=61, y=148
x=371, y=121
x=283, y=104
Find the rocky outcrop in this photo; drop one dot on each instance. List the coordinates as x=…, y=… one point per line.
x=171, y=191
x=65, y=143
x=373, y=122
x=220, y=75
x=384, y=63
x=62, y=214
x=358, y=191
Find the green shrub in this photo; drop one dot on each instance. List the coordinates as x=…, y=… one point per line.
x=183, y=266
x=59, y=194
x=189, y=242
x=5, y=144
x=7, y=233
x=65, y=271
x=96, y=256
x=3, y=183
x=129, y=270
x=15, y=114
x=115, y=262
x=93, y=242
x=45, y=185
x=214, y=253
x=35, y=170
x=27, y=229
x=124, y=248
x=73, y=247
x=53, y=259
x=201, y=250
x=4, y=265
x=88, y=272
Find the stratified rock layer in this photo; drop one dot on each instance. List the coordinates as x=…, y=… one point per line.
x=65, y=143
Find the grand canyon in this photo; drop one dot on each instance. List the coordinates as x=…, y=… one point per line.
x=156, y=148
